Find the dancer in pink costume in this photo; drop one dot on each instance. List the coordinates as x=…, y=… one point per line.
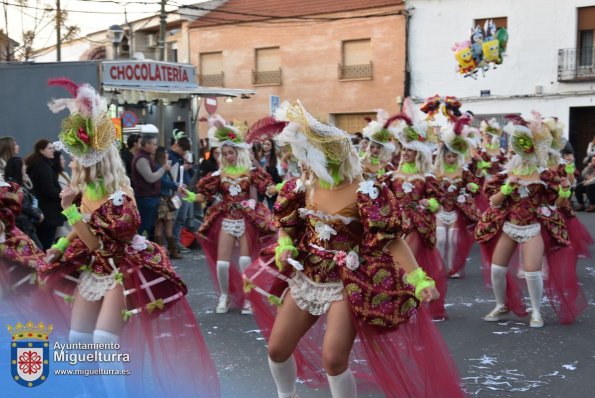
x=340, y=257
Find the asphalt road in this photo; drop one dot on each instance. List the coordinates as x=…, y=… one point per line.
x=503, y=359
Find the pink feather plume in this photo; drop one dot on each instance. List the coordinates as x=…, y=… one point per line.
x=65, y=83
x=266, y=127
x=460, y=123
x=400, y=116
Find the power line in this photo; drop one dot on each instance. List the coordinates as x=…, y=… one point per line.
x=76, y=11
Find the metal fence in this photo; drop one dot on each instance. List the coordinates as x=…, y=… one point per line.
x=576, y=64
x=347, y=72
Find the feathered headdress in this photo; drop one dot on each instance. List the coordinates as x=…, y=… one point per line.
x=493, y=129
x=88, y=132
x=316, y=144
x=412, y=131
x=556, y=129
x=376, y=132
x=220, y=133
x=267, y=127
x=459, y=137
x=177, y=134
x=431, y=106
x=451, y=108
x=530, y=139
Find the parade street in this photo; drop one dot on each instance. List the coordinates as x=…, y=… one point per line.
x=499, y=359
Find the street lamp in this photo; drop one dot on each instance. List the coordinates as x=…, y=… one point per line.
x=115, y=34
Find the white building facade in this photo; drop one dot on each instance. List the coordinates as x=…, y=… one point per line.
x=548, y=66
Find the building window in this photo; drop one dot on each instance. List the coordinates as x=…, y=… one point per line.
x=352, y=122
x=356, y=60
x=268, y=67
x=500, y=22
x=211, y=69
x=586, y=26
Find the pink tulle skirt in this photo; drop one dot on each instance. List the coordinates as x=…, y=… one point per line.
x=411, y=360
x=256, y=240
x=463, y=241
x=580, y=238
x=562, y=290
x=430, y=260
x=165, y=343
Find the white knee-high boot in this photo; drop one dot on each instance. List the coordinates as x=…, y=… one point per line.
x=451, y=244
x=498, y=274
x=441, y=242
x=343, y=385
x=114, y=384
x=244, y=263
x=284, y=374
x=223, y=279
x=535, y=286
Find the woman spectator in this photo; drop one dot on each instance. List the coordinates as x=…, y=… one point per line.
x=58, y=164
x=8, y=149
x=166, y=211
x=30, y=215
x=210, y=164
x=47, y=189
x=270, y=163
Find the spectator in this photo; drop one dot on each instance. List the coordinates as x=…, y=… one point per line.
x=127, y=154
x=270, y=163
x=59, y=164
x=210, y=163
x=30, y=215
x=179, y=154
x=590, y=151
x=146, y=180
x=167, y=210
x=587, y=186
x=47, y=190
x=8, y=149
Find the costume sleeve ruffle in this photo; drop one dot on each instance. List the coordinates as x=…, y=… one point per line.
x=261, y=180
x=291, y=198
x=117, y=220
x=208, y=186
x=432, y=187
x=379, y=214
x=492, y=186
x=11, y=197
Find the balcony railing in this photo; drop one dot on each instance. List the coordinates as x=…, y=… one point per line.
x=211, y=80
x=351, y=72
x=576, y=64
x=272, y=77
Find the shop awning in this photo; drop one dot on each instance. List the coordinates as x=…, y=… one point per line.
x=133, y=94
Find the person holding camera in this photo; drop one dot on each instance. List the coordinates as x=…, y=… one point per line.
x=146, y=179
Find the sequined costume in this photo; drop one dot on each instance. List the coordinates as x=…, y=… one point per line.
x=340, y=257
x=156, y=306
x=525, y=213
x=19, y=256
x=237, y=214
x=419, y=226
x=460, y=212
x=495, y=164
x=578, y=234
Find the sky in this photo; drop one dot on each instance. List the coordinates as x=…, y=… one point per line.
x=89, y=15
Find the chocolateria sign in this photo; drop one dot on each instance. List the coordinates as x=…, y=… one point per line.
x=148, y=74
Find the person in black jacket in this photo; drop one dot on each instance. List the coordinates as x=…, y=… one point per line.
x=47, y=190
x=30, y=213
x=127, y=154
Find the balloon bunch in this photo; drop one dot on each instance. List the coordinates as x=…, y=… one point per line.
x=482, y=51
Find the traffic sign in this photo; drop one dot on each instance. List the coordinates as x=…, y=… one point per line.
x=211, y=104
x=129, y=119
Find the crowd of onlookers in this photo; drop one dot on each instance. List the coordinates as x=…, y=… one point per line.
x=156, y=173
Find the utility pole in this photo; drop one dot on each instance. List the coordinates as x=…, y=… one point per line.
x=58, y=24
x=161, y=106
x=162, y=27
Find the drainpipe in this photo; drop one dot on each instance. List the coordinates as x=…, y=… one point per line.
x=407, y=83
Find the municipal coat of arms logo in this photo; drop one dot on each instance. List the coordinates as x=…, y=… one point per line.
x=30, y=353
